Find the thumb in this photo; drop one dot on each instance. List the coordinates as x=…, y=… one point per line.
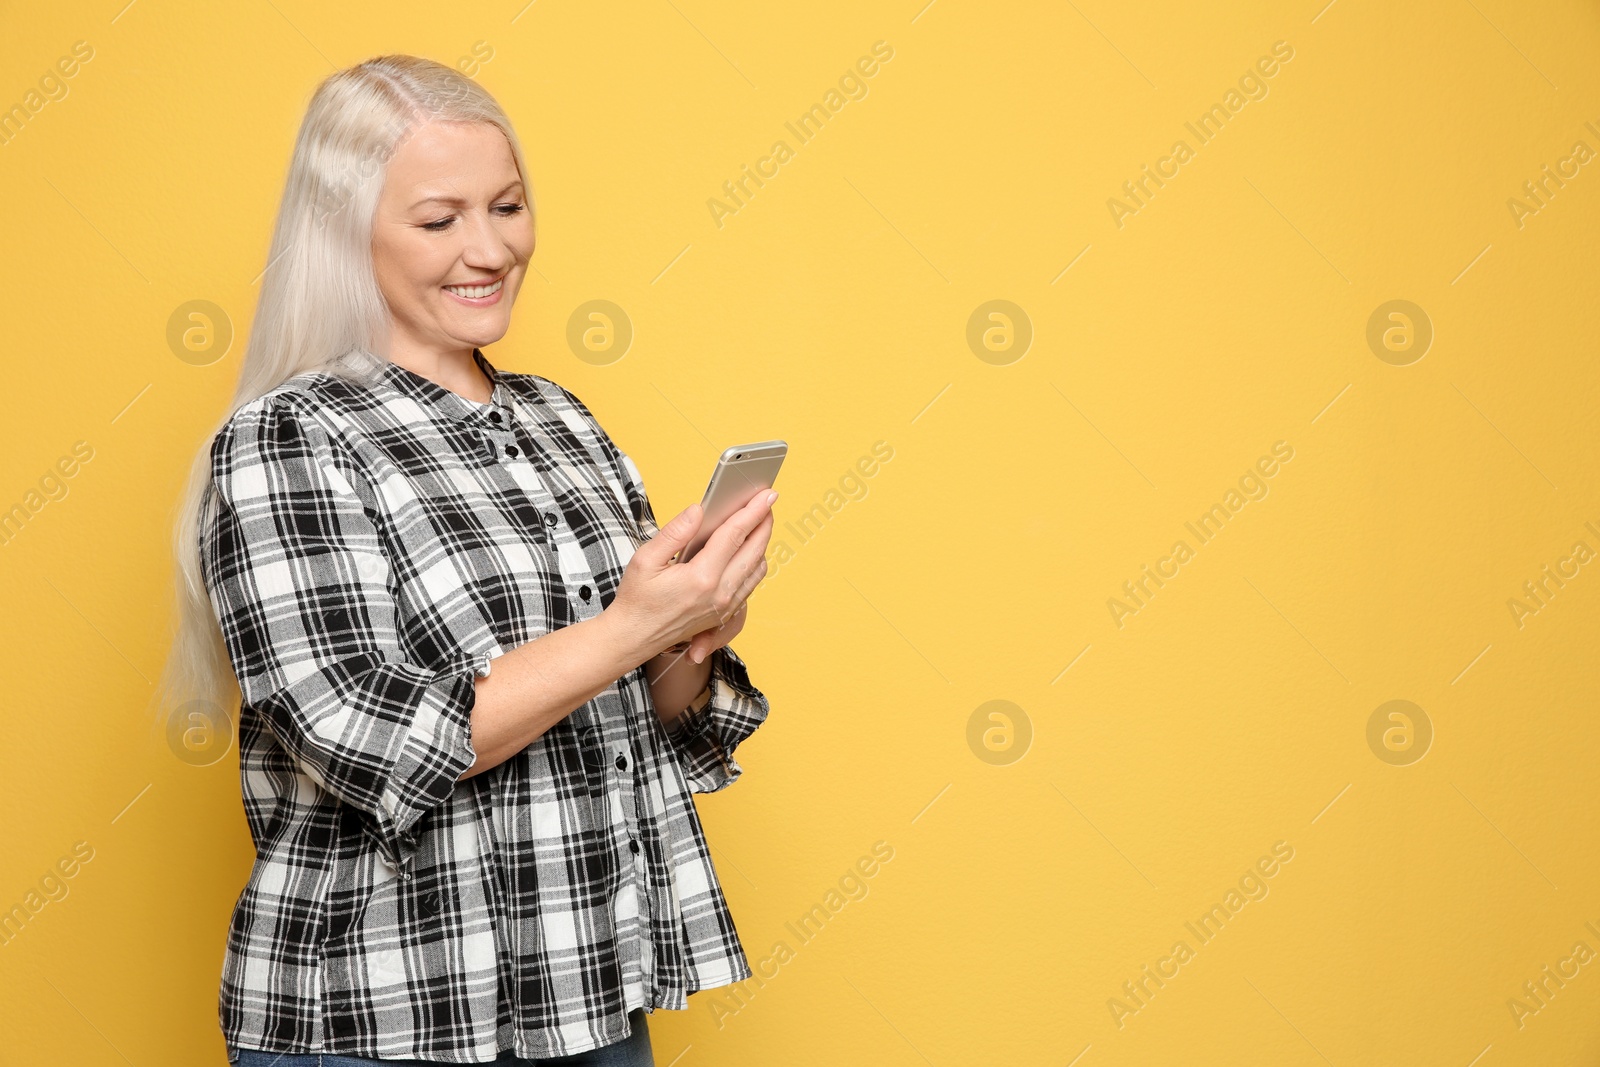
x=675, y=534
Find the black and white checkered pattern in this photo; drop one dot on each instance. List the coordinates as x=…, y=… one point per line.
x=369, y=549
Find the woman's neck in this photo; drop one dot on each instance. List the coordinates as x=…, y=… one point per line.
x=454, y=370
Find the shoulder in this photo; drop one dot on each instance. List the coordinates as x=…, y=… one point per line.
x=538, y=388
x=289, y=401
x=298, y=418
x=278, y=454
x=348, y=392
x=561, y=402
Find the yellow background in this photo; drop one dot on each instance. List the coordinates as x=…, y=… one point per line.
x=831, y=310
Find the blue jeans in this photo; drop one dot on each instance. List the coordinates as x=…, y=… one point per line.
x=632, y=1051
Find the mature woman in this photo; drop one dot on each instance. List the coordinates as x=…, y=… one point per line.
x=476, y=692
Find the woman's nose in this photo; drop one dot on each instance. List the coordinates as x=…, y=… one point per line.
x=485, y=245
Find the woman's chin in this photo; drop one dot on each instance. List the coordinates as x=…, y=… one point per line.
x=477, y=335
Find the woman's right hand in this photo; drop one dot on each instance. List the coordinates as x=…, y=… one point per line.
x=660, y=603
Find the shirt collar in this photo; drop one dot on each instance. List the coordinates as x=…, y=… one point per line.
x=432, y=394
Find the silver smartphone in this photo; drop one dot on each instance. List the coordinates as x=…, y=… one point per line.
x=741, y=473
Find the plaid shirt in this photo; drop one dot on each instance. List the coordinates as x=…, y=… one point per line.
x=369, y=550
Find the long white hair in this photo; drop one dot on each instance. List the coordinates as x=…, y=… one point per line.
x=320, y=308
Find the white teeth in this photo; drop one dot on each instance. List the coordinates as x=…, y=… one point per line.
x=475, y=290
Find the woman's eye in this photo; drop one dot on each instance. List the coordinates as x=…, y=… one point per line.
x=439, y=226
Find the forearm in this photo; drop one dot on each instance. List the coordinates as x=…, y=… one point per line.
x=675, y=680
x=537, y=684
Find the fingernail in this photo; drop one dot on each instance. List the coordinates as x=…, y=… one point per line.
x=698, y=656
x=772, y=496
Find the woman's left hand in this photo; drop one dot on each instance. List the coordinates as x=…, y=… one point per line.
x=702, y=644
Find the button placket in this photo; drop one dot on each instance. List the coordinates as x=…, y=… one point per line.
x=634, y=867
x=499, y=434
x=641, y=868
x=604, y=736
x=601, y=721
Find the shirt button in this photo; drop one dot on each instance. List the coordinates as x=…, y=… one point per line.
x=549, y=518
x=633, y=846
x=585, y=592
x=622, y=763
x=511, y=450
x=494, y=417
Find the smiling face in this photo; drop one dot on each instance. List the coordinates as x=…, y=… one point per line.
x=451, y=240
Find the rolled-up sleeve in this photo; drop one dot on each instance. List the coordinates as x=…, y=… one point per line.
x=302, y=589
x=704, y=741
